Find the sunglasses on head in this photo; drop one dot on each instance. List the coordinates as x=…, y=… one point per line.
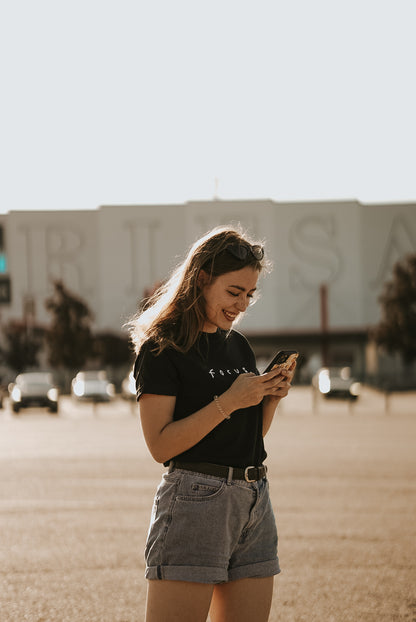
x=241, y=250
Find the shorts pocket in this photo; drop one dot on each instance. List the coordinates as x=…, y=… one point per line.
x=199, y=490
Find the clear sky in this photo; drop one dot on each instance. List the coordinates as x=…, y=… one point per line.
x=122, y=101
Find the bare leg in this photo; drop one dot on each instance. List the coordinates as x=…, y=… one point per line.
x=245, y=600
x=177, y=601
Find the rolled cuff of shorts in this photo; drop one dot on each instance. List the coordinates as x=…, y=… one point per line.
x=255, y=571
x=203, y=574
x=194, y=574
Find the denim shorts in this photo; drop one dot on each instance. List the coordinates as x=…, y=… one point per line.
x=207, y=529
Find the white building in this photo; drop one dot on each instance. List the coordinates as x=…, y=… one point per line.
x=109, y=256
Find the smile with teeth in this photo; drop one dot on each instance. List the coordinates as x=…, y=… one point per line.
x=230, y=316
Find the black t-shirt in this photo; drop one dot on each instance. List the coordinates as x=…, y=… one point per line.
x=207, y=369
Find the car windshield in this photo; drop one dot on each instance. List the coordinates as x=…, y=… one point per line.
x=92, y=375
x=341, y=372
x=33, y=381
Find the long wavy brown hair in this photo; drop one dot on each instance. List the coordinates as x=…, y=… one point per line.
x=175, y=314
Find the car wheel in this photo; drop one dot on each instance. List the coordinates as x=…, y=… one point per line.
x=16, y=408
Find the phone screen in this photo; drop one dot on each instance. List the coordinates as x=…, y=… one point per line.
x=283, y=358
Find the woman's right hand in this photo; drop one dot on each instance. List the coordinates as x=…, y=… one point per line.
x=249, y=389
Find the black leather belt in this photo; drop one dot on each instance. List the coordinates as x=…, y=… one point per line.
x=249, y=474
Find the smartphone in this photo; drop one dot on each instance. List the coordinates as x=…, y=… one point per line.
x=283, y=359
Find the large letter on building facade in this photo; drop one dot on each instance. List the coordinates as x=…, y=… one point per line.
x=313, y=241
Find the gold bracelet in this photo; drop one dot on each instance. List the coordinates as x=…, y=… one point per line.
x=217, y=401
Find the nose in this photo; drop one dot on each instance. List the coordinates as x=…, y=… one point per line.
x=242, y=304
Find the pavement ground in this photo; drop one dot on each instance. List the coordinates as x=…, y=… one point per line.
x=76, y=492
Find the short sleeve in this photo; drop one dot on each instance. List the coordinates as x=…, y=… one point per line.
x=155, y=373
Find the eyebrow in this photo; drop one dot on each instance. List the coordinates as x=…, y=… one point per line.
x=243, y=289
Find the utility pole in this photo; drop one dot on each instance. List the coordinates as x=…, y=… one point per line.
x=323, y=295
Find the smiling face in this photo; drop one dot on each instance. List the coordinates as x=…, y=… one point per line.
x=227, y=296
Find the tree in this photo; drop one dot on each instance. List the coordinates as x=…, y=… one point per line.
x=22, y=344
x=397, y=328
x=68, y=339
x=112, y=350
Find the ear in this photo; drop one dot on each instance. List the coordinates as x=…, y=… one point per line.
x=203, y=279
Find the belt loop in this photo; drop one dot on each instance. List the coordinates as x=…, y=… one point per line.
x=230, y=475
x=171, y=466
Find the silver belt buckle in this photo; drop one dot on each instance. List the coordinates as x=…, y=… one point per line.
x=246, y=474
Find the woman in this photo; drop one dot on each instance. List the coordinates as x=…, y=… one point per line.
x=204, y=409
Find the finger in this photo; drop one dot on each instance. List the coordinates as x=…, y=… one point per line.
x=277, y=393
x=273, y=382
x=273, y=388
x=276, y=371
x=284, y=385
x=279, y=381
x=280, y=392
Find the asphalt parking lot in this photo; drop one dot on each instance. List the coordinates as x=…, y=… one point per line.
x=76, y=492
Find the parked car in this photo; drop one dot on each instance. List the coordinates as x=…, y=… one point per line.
x=93, y=386
x=33, y=389
x=128, y=387
x=336, y=382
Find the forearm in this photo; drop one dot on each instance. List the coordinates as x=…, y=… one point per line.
x=272, y=400
x=180, y=435
x=269, y=409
